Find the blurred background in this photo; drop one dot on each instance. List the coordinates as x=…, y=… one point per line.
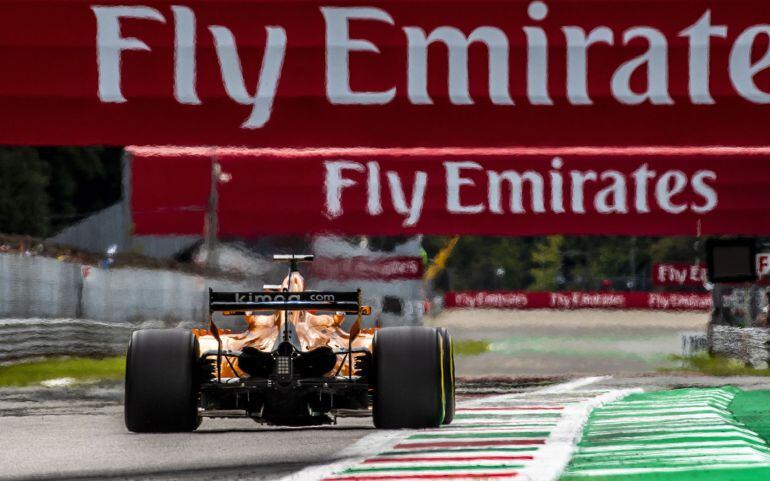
x=76, y=278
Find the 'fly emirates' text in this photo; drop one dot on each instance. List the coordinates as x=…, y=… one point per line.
x=746, y=48
x=554, y=190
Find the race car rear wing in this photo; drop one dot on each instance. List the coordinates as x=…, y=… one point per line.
x=235, y=303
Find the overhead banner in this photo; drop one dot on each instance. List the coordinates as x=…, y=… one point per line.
x=453, y=191
x=284, y=73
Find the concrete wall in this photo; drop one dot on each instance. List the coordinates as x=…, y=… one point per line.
x=46, y=288
x=38, y=287
x=109, y=227
x=41, y=287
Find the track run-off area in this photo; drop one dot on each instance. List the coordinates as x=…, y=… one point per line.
x=573, y=432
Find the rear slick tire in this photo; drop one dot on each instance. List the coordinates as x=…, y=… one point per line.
x=408, y=378
x=161, y=382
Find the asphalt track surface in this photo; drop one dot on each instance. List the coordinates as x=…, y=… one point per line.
x=82, y=436
x=94, y=444
x=61, y=434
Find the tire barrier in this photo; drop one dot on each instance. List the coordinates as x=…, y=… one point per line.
x=747, y=344
x=24, y=339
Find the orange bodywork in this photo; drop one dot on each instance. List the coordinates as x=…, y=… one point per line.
x=313, y=331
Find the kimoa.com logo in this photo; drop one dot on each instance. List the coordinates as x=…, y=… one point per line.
x=254, y=297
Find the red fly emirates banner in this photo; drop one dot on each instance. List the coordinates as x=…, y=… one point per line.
x=666, y=301
x=631, y=191
x=373, y=268
x=679, y=274
x=383, y=73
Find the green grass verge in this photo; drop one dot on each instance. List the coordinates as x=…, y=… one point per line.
x=751, y=408
x=470, y=347
x=714, y=366
x=80, y=369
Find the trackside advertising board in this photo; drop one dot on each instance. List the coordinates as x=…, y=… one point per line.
x=679, y=274
x=633, y=191
x=372, y=268
x=665, y=301
x=277, y=73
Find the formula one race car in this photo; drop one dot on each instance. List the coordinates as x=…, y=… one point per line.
x=293, y=365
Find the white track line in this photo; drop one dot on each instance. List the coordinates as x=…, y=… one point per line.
x=572, y=385
x=377, y=442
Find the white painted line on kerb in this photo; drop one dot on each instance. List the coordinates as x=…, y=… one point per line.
x=551, y=460
x=377, y=442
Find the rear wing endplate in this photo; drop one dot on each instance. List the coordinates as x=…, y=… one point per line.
x=240, y=302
